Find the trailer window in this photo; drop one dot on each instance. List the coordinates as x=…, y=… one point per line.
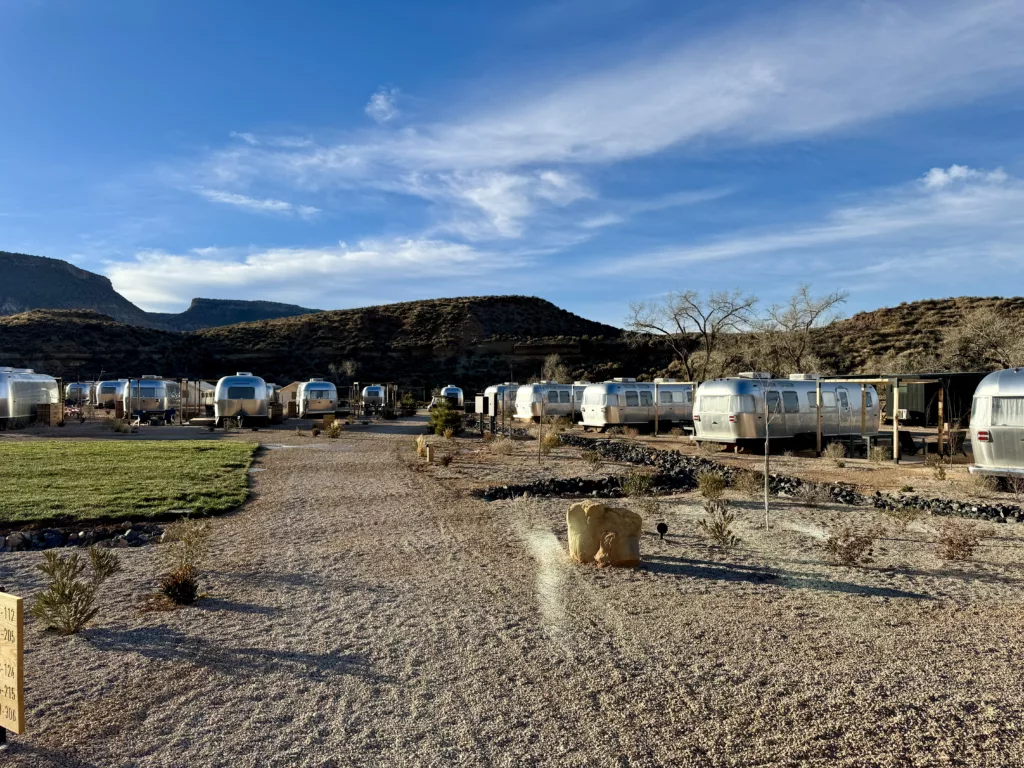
x=714, y=403
x=666, y=397
x=743, y=404
x=773, y=403
x=591, y=398
x=109, y=389
x=981, y=412
x=318, y=394
x=1008, y=411
x=563, y=396
x=828, y=399
x=791, y=402
x=844, y=401
x=632, y=399
x=148, y=392
x=646, y=399
x=610, y=401
x=812, y=399
x=241, y=393
x=869, y=401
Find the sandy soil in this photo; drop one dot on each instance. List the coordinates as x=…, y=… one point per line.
x=363, y=611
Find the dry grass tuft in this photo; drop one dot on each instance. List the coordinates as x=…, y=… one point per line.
x=851, y=547
x=904, y=516
x=421, y=446
x=836, y=452
x=503, y=446
x=630, y=432
x=592, y=459
x=957, y=541
x=711, y=484
x=448, y=433
x=812, y=494
x=637, y=483
x=936, y=465
x=749, y=482
x=879, y=454
x=705, y=448
x=446, y=458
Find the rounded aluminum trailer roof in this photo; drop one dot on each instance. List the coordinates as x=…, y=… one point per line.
x=1008, y=382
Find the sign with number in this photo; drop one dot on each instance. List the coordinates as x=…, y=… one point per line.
x=12, y=672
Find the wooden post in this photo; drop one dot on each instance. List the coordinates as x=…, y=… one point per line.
x=12, y=669
x=896, y=420
x=817, y=400
x=942, y=423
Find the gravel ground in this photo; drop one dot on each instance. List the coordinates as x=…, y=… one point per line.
x=362, y=612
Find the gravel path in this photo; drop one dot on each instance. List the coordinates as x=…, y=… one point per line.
x=363, y=613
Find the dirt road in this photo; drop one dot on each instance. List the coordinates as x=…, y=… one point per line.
x=361, y=614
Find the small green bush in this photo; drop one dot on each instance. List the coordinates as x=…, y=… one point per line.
x=637, y=483
x=407, y=405
x=180, y=586
x=68, y=603
x=850, y=547
x=591, y=458
x=936, y=465
x=749, y=482
x=812, y=494
x=444, y=417
x=717, y=526
x=334, y=430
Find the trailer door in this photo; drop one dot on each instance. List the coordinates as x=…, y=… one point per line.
x=1007, y=432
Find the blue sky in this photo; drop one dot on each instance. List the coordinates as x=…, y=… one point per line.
x=590, y=152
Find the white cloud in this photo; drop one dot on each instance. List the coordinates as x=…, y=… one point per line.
x=248, y=138
x=381, y=106
x=326, y=277
x=938, y=178
x=257, y=205
x=981, y=207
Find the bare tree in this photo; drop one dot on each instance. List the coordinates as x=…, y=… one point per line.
x=555, y=370
x=984, y=337
x=784, y=336
x=692, y=325
x=344, y=371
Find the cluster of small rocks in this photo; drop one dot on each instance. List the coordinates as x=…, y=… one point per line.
x=996, y=513
x=126, y=535
x=577, y=487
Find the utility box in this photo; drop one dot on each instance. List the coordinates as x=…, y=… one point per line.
x=276, y=413
x=293, y=409
x=487, y=405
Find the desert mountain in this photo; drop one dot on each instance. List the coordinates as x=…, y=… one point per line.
x=37, y=282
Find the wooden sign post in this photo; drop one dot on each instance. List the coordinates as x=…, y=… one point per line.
x=12, y=671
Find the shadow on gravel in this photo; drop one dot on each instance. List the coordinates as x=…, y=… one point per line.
x=164, y=644
x=703, y=569
x=45, y=758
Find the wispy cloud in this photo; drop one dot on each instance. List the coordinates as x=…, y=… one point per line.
x=381, y=106
x=984, y=206
x=812, y=72
x=329, y=276
x=257, y=205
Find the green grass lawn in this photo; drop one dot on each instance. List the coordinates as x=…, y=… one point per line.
x=62, y=479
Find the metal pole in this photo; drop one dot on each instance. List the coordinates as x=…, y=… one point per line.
x=817, y=420
x=655, y=409
x=942, y=423
x=896, y=421
x=863, y=409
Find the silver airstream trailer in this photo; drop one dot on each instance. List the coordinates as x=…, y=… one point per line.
x=152, y=397
x=733, y=410
x=629, y=402
x=550, y=397
x=506, y=393
x=373, y=395
x=316, y=397
x=22, y=391
x=107, y=393
x=997, y=425
x=78, y=392
x=453, y=395
x=242, y=397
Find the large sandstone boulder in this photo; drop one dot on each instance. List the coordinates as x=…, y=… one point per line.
x=603, y=535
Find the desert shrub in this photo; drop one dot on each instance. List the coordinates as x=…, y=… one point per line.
x=407, y=405
x=299, y=432
x=446, y=458
x=706, y=448
x=836, y=452
x=314, y=432
x=591, y=458
x=957, y=541
x=421, y=446
x=812, y=494
x=711, y=484
x=749, y=482
x=903, y=516
x=849, y=546
x=448, y=433
x=630, y=432
x=879, y=453
x=717, y=526
x=444, y=417
x=551, y=440
x=936, y=465
x=488, y=437
x=788, y=454
x=119, y=425
x=637, y=483
x=980, y=485
x=187, y=546
x=181, y=586
x=502, y=446
x=1015, y=485
x=334, y=430
x=68, y=603
x=613, y=431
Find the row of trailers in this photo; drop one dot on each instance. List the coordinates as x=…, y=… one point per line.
x=802, y=408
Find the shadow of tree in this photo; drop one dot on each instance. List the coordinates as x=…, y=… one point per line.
x=703, y=569
x=165, y=644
